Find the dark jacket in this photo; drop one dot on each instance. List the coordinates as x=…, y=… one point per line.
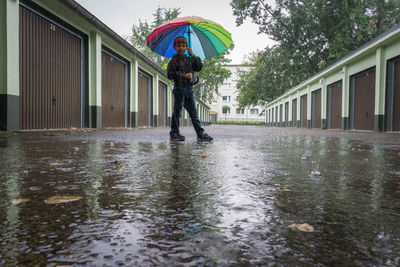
x=178, y=66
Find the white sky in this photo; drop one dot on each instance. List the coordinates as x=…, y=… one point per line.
x=120, y=15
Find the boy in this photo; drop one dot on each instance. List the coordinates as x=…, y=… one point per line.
x=181, y=69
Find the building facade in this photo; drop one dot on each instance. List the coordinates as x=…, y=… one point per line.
x=225, y=107
x=61, y=67
x=358, y=92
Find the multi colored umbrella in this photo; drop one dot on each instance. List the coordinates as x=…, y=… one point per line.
x=205, y=37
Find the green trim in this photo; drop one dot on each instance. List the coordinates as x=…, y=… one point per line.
x=3, y=47
x=95, y=69
x=9, y=41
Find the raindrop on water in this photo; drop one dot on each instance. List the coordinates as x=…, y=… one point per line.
x=315, y=173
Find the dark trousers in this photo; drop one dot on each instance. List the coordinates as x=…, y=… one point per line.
x=184, y=98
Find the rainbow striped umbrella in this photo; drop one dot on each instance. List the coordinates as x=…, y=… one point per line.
x=205, y=37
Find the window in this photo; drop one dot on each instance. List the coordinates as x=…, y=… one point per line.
x=226, y=110
x=254, y=111
x=226, y=98
x=240, y=111
x=226, y=86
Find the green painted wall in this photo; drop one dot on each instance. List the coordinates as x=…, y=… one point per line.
x=3, y=47
x=9, y=43
x=366, y=62
x=94, y=69
x=335, y=77
x=392, y=50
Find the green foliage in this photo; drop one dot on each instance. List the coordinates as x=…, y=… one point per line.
x=225, y=109
x=212, y=75
x=267, y=77
x=141, y=31
x=310, y=35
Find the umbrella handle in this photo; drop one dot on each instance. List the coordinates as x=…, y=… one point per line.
x=194, y=81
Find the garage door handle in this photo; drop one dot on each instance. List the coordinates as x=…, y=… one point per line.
x=112, y=108
x=366, y=114
x=54, y=100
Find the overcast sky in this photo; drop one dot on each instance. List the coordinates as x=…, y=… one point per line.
x=120, y=15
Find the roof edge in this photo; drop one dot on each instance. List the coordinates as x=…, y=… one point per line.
x=359, y=51
x=98, y=23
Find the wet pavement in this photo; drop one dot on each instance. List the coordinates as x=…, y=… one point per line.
x=138, y=199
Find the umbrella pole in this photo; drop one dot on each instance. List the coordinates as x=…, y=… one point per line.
x=190, y=44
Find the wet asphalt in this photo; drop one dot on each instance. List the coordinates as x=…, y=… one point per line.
x=131, y=197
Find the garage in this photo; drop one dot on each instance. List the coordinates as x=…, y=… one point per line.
x=362, y=100
x=316, y=109
x=334, y=105
x=294, y=113
x=144, y=99
x=276, y=116
x=287, y=114
x=50, y=72
x=272, y=116
x=114, y=90
x=280, y=115
x=393, y=95
x=396, y=97
x=162, y=104
x=303, y=111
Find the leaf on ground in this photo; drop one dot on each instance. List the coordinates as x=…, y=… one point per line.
x=203, y=156
x=61, y=199
x=54, y=164
x=122, y=169
x=286, y=189
x=19, y=201
x=305, y=227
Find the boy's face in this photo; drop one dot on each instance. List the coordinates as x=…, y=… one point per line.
x=180, y=48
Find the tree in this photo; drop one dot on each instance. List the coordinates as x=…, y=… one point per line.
x=225, y=110
x=141, y=31
x=267, y=77
x=212, y=75
x=312, y=34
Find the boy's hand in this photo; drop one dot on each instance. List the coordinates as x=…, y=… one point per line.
x=190, y=52
x=189, y=76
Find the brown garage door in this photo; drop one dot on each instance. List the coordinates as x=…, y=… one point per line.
x=276, y=116
x=287, y=114
x=144, y=99
x=50, y=74
x=316, y=109
x=272, y=117
x=303, y=111
x=364, y=100
x=294, y=113
x=162, y=104
x=113, y=83
x=280, y=115
x=396, y=97
x=335, y=105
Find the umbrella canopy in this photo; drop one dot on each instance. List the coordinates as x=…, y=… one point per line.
x=205, y=37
